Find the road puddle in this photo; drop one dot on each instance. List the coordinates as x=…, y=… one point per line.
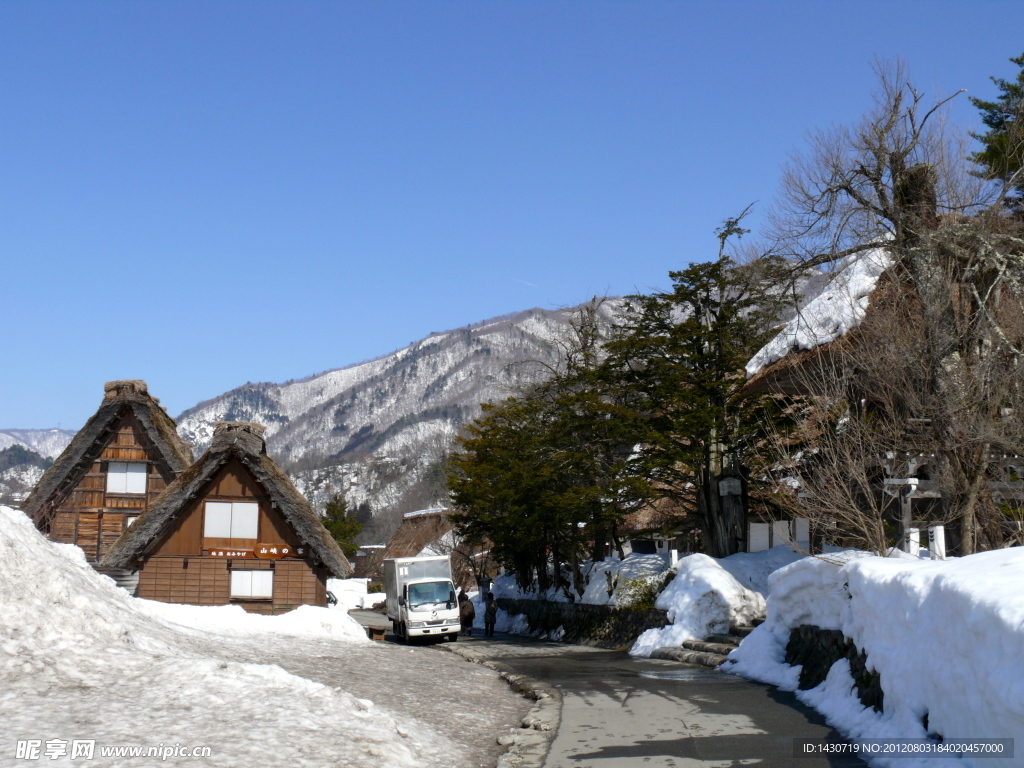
x=695, y=675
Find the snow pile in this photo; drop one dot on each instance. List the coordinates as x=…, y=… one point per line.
x=753, y=569
x=80, y=659
x=305, y=621
x=703, y=599
x=352, y=594
x=609, y=582
x=946, y=637
x=831, y=314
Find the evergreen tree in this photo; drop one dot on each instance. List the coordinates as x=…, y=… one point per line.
x=679, y=361
x=497, y=479
x=343, y=527
x=546, y=476
x=1002, y=156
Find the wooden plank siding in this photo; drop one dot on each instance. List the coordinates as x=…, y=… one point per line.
x=207, y=581
x=94, y=519
x=179, y=568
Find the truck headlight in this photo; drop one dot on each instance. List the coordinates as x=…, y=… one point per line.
x=417, y=624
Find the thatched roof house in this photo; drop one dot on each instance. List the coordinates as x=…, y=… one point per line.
x=828, y=322
x=122, y=458
x=233, y=513
x=429, y=532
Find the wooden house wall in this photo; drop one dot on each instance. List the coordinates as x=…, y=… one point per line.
x=233, y=482
x=179, y=568
x=94, y=519
x=207, y=581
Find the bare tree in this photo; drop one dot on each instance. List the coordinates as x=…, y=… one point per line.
x=866, y=441
x=899, y=182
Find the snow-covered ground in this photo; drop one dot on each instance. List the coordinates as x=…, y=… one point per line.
x=946, y=637
x=82, y=660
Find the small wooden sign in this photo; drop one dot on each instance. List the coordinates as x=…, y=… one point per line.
x=221, y=552
x=276, y=551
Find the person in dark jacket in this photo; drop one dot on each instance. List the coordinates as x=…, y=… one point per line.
x=490, y=615
x=467, y=613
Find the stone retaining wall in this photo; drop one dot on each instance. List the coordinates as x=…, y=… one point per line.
x=602, y=626
x=817, y=649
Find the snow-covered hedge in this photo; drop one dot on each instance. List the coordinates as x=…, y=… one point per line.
x=608, y=582
x=946, y=637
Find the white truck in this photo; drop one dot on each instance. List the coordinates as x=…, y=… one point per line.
x=421, y=598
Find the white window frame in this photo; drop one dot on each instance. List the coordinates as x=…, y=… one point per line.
x=242, y=518
x=125, y=477
x=252, y=584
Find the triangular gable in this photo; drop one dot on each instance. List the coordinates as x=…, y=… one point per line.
x=244, y=443
x=122, y=399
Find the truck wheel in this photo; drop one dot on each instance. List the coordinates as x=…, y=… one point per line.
x=453, y=637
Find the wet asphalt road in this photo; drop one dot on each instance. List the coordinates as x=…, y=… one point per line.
x=622, y=712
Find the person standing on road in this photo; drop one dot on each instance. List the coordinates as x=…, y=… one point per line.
x=490, y=615
x=467, y=613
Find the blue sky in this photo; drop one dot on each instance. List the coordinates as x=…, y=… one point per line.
x=204, y=194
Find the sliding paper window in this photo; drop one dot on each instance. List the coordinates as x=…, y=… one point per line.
x=127, y=477
x=252, y=583
x=231, y=520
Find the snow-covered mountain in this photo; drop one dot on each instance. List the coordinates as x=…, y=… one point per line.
x=380, y=430
x=45, y=442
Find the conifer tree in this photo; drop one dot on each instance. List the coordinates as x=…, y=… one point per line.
x=679, y=360
x=342, y=526
x=1002, y=156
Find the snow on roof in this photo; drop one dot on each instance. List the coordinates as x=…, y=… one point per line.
x=431, y=511
x=831, y=314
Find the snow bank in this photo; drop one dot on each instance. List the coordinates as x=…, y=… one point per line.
x=304, y=621
x=946, y=637
x=753, y=569
x=81, y=659
x=832, y=313
x=703, y=599
x=352, y=594
x=609, y=581
x=705, y=596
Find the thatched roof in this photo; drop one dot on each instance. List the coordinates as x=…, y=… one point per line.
x=119, y=398
x=427, y=532
x=244, y=442
x=659, y=515
x=417, y=531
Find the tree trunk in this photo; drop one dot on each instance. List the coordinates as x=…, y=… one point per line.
x=933, y=285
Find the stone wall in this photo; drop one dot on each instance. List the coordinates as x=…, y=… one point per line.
x=817, y=649
x=602, y=626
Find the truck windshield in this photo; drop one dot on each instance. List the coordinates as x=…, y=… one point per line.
x=429, y=592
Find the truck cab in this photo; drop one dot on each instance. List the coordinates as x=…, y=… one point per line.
x=421, y=599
